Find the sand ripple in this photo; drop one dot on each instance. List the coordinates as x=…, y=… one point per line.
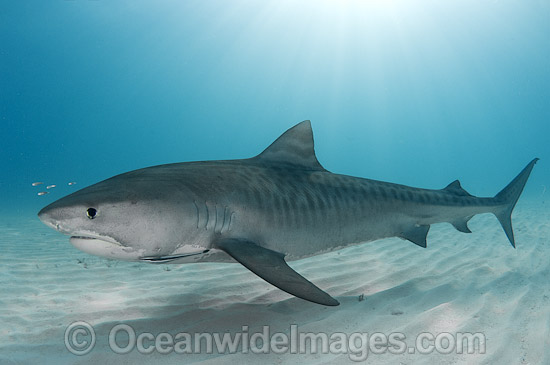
x=460, y=283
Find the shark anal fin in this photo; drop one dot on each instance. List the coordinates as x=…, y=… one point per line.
x=462, y=225
x=417, y=234
x=272, y=267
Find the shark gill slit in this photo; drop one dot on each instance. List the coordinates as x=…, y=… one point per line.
x=230, y=221
x=207, y=216
x=224, y=219
x=219, y=219
x=215, y=217
x=198, y=213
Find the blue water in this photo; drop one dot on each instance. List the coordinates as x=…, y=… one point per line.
x=414, y=92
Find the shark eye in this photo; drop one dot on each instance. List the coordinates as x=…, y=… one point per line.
x=91, y=213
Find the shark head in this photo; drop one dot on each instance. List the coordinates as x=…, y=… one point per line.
x=125, y=217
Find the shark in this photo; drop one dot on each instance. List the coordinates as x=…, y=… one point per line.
x=261, y=212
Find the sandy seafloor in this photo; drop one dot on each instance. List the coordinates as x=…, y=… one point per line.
x=461, y=283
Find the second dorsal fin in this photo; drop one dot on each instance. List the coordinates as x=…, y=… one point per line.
x=294, y=147
x=456, y=189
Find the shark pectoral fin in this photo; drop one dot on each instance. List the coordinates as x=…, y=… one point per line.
x=272, y=267
x=417, y=234
x=462, y=225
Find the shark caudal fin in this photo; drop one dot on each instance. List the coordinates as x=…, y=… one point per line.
x=509, y=197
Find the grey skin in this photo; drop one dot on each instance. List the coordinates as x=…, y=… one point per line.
x=280, y=205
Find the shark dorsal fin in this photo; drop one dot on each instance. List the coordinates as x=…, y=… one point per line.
x=294, y=147
x=456, y=189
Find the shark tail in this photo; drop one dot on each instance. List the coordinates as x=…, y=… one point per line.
x=507, y=199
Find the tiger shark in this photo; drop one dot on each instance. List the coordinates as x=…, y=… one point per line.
x=278, y=206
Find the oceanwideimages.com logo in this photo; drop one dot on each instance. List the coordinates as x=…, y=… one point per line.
x=80, y=339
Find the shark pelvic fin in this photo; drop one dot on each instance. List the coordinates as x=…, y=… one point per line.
x=272, y=267
x=294, y=147
x=417, y=234
x=462, y=224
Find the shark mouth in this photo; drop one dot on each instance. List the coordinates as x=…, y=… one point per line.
x=92, y=238
x=97, y=238
x=105, y=247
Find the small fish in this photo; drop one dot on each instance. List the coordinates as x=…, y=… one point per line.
x=43, y=193
x=51, y=186
x=37, y=183
x=71, y=183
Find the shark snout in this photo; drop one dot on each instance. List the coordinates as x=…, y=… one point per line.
x=46, y=218
x=49, y=216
